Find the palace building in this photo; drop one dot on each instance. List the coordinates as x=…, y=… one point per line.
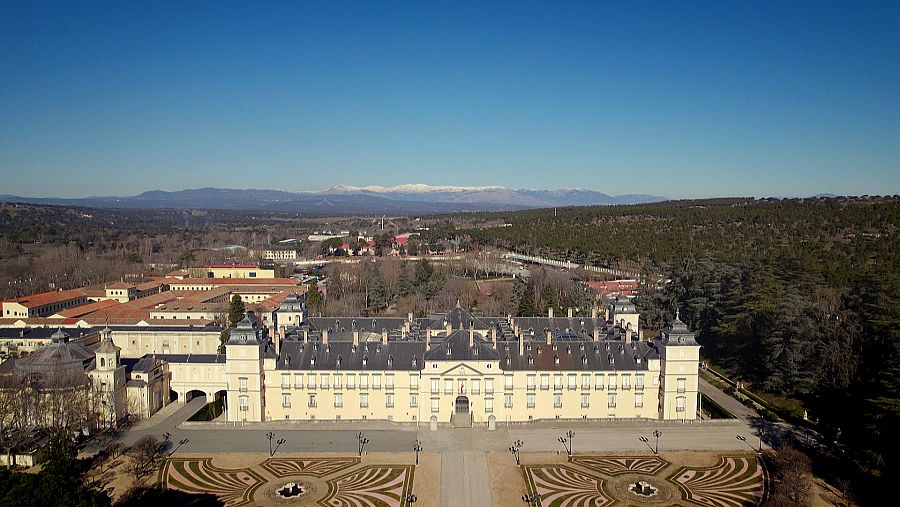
x=463, y=369
x=456, y=368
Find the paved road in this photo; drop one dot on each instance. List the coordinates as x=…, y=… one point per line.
x=730, y=404
x=465, y=480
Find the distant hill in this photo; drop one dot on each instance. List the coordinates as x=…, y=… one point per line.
x=342, y=200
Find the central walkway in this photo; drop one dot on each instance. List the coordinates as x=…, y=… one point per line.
x=465, y=480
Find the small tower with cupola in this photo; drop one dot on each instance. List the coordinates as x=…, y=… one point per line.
x=244, y=353
x=679, y=368
x=108, y=376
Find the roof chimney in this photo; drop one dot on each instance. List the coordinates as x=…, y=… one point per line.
x=606, y=314
x=449, y=328
x=409, y=316
x=596, y=333
x=494, y=335
x=384, y=336
x=471, y=337
x=550, y=312
x=549, y=336
x=593, y=312
x=569, y=312
x=628, y=333
x=521, y=345
x=324, y=336
x=355, y=337
x=640, y=335
x=305, y=335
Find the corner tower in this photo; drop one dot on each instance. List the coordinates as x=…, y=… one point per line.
x=679, y=365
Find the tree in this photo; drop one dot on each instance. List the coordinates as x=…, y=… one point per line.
x=236, y=310
x=526, y=299
x=186, y=258
x=314, y=297
x=404, y=284
x=223, y=338
x=793, y=477
x=143, y=456
x=376, y=295
x=61, y=456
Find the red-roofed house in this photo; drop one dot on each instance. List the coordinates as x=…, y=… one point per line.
x=614, y=288
x=43, y=304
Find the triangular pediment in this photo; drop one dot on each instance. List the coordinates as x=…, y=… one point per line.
x=461, y=369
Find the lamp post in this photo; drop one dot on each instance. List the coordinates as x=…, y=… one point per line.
x=180, y=443
x=514, y=449
x=656, y=433
x=361, y=441
x=566, y=441
x=418, y=448
x=532, y=498
x=270, y=435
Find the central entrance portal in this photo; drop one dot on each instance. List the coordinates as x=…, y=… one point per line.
x=462, y=405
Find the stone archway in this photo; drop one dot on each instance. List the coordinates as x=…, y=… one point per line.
x=462, y=405
x=433, y=423
x=492, y=422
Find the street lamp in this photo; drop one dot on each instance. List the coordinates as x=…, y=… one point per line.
x=532, y=498
x=656, y=433
x=418, y=448
x=514, y=449
x=180, y=443
x=270, y=435
x=361, y=441
x=566, y=441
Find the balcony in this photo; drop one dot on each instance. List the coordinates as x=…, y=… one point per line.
x=312, y=404
x=489, y=392
x=638, y=405
x=572, y=387
x=680, y=390
x=285, y=405
x=285, y=387
x=339, y=404
x=531, y=387
x=639, y=387
x=585, y=405
x=244, y=408
x=507, y=405
x=448, y=391
x=364, y=405
x=557, y=387
x=545, y=387
x=243, y=389
x=612, y=387
x=530, y=405
x=557, y=404
x=389, y=404
x=626, y=388
x=611, y=405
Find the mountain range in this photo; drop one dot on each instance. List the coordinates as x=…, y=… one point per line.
x=344, y=200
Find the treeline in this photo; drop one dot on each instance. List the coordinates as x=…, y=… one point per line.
x=798, y=298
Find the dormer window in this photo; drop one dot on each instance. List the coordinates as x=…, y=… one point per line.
x=568, y=349
x=365, y=360
x=448, y=350
x=415, y=361
x=555, y=359
x=390, y=361
x=583, y=359
x=339, y=359
x=475, y=351
x=530, y=360
x=540, y=351
x=508, y=361
x=312, y=360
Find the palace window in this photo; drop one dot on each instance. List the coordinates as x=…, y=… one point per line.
x=557, y=400
x=489, y=386
x=598, y=382
x=324, y=383
x=376, y=381
x=448, y=386
x=626, y=382
x=573, y=381
x=338, y=400
x=244, y=403
x=612, y=381
x=338, y=379
x=389, y=381
x=312, y=401
x=488, y=405
x=476, y=386
x=435, y=405
x=638, y=400
x=298, y=381
x=414, y=382
x=311, y=381
x=285, y=381
x=531, y=382
x=363, y=381
x=529, y=401
x=435, y=386
x=508, y=383
x=681, y=383
x=611, y=400
x=639, y=382
x=351, y=381
x=558, y=382
x=242, y=382
x=389, y=400
x=413, y=400
x=507, y=401
x=545, y=382
x=286, y=400
x=679, y=404
x=585, y=400
x=586, y=382
x=363, y=400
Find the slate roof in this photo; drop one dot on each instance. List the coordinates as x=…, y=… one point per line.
x=189, y=358
x=296, y=355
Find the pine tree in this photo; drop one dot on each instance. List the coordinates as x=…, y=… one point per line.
x=376, y=294
x=526, y=302
x=236, y=310
x=404, y=284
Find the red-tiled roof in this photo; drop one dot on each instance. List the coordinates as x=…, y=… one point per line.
x=46, y=298
x=82, y=310
x=236, y=266
x=236, y=281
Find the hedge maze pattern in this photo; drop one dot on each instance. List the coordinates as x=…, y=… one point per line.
x=285, y=467
x=736, y=481
x=375, y=486
x=233, y=487
x=617, y=465
x=369, y=486
x=732, y=482
x=562, y=486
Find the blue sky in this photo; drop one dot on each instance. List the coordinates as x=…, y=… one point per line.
x=682, y=99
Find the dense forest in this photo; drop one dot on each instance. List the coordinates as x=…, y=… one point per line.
x=798, y=298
